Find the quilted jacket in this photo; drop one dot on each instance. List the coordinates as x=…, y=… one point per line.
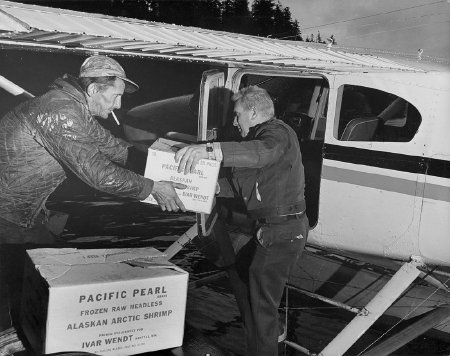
x=43, y=137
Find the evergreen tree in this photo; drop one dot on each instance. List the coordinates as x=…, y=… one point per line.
x=137, y=9
x=267, y=18
x=319, y=38
x=200, y=13
x=236, y=16
x=284, y=26
x=271, y=19
x=296, y=26
x=263, y=17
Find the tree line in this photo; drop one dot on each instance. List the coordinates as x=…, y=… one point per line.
x=265, y=18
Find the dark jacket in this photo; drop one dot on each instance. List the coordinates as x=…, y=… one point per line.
x=268, y=171
x=55, y=130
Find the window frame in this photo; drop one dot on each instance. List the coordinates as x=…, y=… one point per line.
x=365, y=90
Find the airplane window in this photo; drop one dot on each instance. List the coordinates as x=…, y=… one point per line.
x=369, y=114
x=297, y=102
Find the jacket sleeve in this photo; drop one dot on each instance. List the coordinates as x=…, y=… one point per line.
x=112, y=147
x=267, y=147
x=67, y=134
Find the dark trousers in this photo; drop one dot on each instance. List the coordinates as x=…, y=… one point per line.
x=258, y=278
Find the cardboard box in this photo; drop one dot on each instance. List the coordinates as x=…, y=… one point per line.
x=103, y=301
x=201, y=185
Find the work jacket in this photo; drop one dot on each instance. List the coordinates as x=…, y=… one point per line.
x=42, y=137
x=267, y=170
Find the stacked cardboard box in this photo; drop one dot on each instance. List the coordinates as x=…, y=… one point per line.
x=103, y=301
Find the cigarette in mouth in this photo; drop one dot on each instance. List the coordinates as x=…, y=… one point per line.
x=115, y=118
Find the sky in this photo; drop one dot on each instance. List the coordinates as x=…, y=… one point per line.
x=400, y=26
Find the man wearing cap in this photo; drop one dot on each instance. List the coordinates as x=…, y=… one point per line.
x=57, y=131
x=45, y=136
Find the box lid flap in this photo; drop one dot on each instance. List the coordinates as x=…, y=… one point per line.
x=166, y=145
x=74, y=266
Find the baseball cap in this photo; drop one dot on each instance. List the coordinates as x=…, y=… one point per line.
x=103, y=66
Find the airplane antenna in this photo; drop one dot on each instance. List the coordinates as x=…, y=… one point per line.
x=330, y=42
x=419, y=54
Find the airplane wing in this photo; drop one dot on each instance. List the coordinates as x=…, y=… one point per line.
x=46, y=27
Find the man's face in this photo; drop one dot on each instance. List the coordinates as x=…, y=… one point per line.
x=105, y=100
x=243, y=118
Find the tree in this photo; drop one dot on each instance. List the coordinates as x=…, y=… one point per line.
x=284, y=26
x=200, y=13
x=319, y=38
x=137, y=9
x=271, y=19
x=262, y=15
x=267, y=18
x=236, y=16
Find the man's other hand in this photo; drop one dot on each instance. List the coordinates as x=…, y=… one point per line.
x=166, y=196
x=189, y=157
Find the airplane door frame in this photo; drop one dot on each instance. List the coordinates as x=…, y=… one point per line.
x=206, y=87
x=211, y=81
x=233, y=81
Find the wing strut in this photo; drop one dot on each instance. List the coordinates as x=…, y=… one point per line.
x=13, y=88
x=399, y=282
x=430, y=320
x=366, y=316
x=182, y=241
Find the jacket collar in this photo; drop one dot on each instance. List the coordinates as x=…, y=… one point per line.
x=255, y=129
x=68, y=84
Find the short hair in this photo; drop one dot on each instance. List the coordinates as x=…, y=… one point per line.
x=258, y=98
x=102, y=82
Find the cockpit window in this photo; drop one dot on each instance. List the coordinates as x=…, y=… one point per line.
x=368, y=114
x=301, y=102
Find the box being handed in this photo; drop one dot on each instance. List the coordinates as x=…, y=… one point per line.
x=201, y=184
x=103, y=301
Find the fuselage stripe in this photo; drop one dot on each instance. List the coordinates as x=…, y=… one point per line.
x=387, y=183
x=370, y=180
x=437, y=192
x=388, y=160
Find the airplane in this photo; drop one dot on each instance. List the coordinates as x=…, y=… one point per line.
x=372, y=128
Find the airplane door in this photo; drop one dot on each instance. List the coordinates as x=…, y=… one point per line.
x=370, y=191
x=210, y=117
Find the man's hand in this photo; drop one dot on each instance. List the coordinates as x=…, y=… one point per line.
x=166, y=196
x=190, y=155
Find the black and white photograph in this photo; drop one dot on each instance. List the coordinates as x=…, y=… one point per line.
x=224, y=177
